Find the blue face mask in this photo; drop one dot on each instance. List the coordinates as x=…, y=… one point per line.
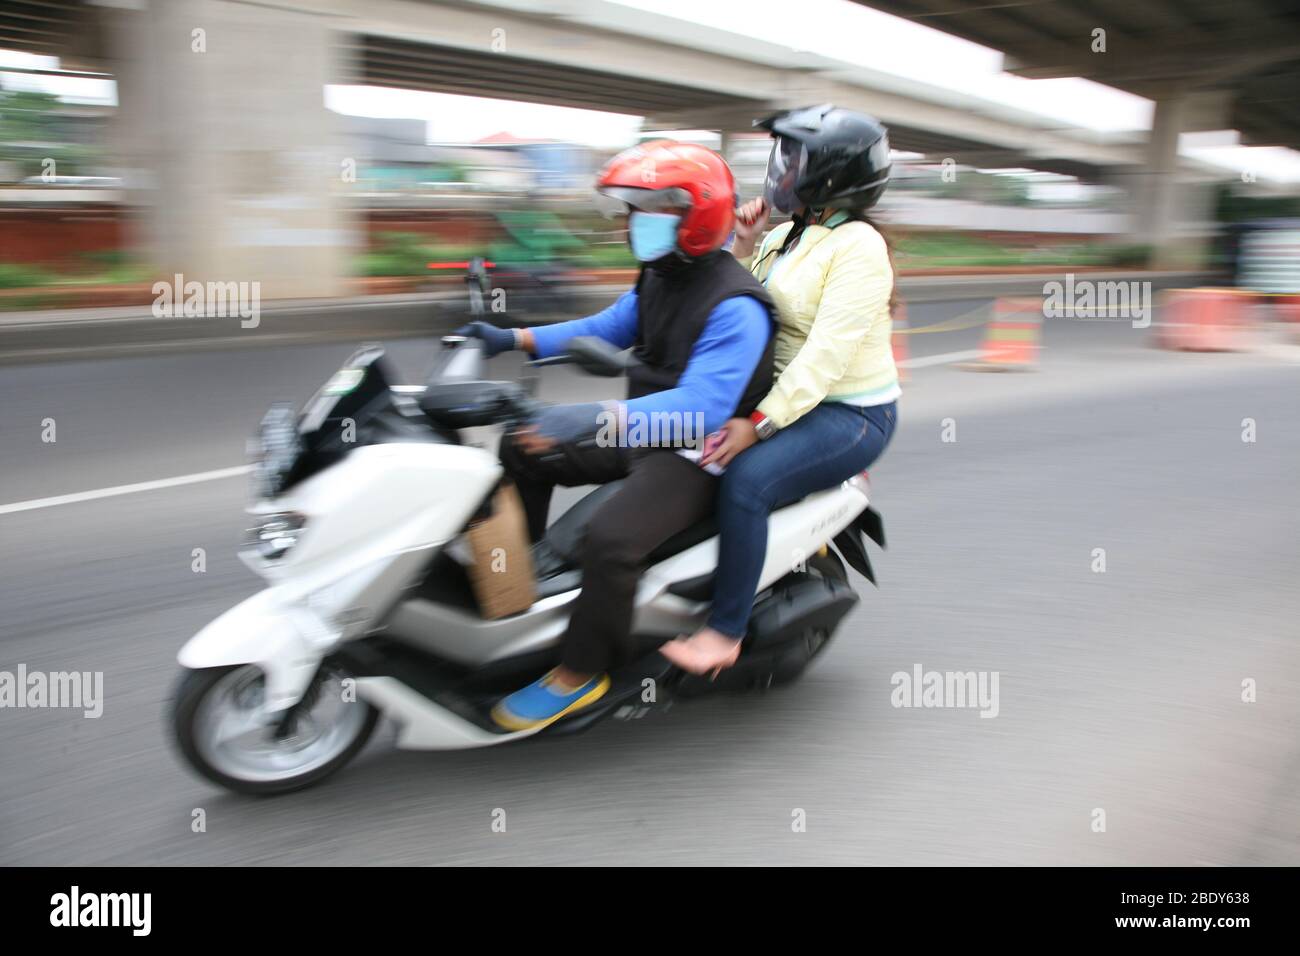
x=652, y=235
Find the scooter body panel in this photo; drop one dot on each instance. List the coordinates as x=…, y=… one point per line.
x=423, y=724
x=379, y=501
x=794, y=533
x=373, y=521
x=287, y=640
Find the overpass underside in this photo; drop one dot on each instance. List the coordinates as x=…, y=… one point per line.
x=1207, y=65
x=221, y=101
x=383, y=61
x=1246, y=54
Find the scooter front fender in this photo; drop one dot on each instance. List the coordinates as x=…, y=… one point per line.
x=286, y=639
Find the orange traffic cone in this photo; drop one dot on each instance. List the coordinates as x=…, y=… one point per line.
x=1203, y=320
x=1011, y=339
x=898, y=340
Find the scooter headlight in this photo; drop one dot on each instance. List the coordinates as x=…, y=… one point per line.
x=276, y=534
x=275, y=450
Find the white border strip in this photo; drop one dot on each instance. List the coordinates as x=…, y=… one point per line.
x=36, y=503
x=943, y=359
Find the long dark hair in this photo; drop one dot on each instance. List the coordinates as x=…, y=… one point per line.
x=861, y=216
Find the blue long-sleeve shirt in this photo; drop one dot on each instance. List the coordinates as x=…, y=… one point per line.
x=721, y=364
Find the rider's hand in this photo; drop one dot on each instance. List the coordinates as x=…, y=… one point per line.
x=751, y=220
x=532, y=442
x=737, y=435
x=561, y=424
x=495, y=341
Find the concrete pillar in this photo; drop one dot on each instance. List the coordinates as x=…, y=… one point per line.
x=746, y=153
x=1174, y=209
x=1156, y=225
x=235, y=159
x=726, y=138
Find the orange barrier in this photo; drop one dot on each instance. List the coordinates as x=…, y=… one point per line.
x=1286, y=309
x=1012, y=338
x=1203, y=320
x=898, y=340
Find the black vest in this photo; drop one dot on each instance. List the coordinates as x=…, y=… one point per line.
x=673, y=305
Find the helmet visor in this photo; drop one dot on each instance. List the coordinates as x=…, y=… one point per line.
x=785, y=167
x=615, y=201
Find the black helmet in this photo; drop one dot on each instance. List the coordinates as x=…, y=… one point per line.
x=825, y=156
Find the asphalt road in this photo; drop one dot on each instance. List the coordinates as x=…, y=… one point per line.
x=1118, y=690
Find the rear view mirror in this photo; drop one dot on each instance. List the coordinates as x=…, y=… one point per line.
x=461, y=359
x=597, y=357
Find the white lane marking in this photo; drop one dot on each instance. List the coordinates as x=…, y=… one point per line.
x=36, y=503
x=943, y=359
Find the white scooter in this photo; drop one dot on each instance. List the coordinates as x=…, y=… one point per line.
x=361, y=499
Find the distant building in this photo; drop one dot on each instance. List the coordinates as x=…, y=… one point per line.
x=393, y=153
x=554, y=165
x=381, y=141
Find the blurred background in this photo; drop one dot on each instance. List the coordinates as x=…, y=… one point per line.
x=329, y=148
x=355, y=158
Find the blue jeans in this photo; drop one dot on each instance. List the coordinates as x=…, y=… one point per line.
x=828, y=445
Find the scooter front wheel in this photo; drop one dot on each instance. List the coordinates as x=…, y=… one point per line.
x=225, y=731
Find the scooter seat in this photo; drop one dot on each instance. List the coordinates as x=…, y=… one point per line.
x=564, y=537
x=561, y=548
x=557, y=558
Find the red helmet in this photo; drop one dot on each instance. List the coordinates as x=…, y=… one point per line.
x=667, y=174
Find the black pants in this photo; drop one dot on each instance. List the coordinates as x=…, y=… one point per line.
x=663, y=494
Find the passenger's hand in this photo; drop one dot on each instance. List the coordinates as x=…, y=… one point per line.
x=737, y=435
x=751, y=220
x=495, y=341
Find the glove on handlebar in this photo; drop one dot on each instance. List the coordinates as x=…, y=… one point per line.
x=495, y=341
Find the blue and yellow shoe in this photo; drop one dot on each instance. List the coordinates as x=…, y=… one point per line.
x=544, y=702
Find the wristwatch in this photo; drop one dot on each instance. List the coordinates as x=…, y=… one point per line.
x=764, y=427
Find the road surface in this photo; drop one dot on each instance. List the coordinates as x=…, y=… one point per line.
x=1119, y=691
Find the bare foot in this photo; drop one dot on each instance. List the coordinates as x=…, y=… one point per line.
x=710, y=641
x=706, y=651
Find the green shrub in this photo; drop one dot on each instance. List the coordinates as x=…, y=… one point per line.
x=14, y=275
x=1134, y=256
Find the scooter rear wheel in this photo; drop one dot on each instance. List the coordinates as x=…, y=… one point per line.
x=225, y=732
x=791, y=665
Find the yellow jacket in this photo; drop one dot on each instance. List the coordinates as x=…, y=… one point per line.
x=832, y=294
